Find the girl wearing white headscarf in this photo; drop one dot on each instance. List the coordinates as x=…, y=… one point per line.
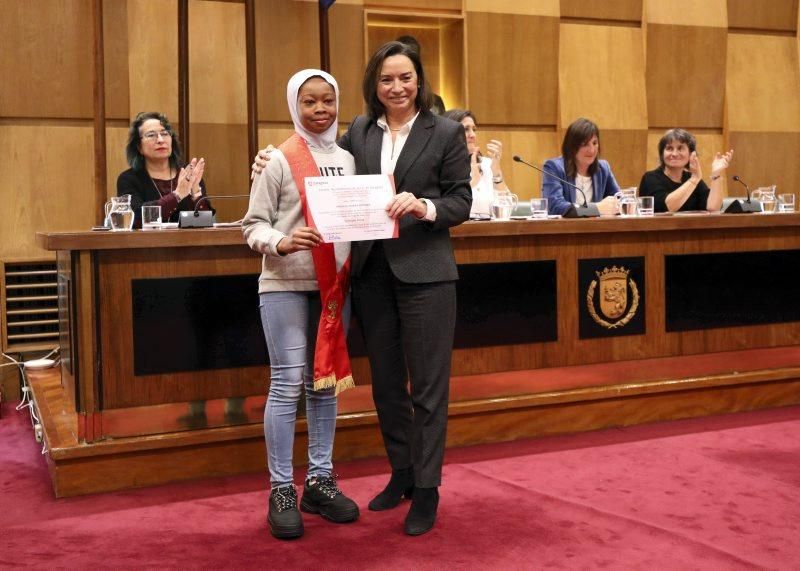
x=300, y=275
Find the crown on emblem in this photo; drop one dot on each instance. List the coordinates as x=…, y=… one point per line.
x=614, y=272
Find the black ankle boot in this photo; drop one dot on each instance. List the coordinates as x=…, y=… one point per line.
x=422, y=515
x=400, y=484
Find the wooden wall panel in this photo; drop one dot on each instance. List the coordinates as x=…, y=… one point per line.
x=763, y=82
x=217, y=69
x=512, y=68
x=287, y=40
x=46, y=182
x=115, y=55
x=681, y=90
x=442, y=5
x=537, y=8
x=228, y=166
x=533, y=146
x=116, y=139
x=778, y=15
x=346, y=28
x=625, y=10
x=625, y=150
x=153, y=57
x=46, y=59
x=451, y=77
x=711, y=13
x=601, y=76
x=707, y=145
x=767, y=158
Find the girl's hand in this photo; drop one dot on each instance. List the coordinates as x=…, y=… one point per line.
x=303, y=238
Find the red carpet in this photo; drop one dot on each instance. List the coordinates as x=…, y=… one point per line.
x=716, y=493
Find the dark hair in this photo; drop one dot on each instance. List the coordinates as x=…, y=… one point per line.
x=411, y=42
x=135, y=158
x=671, y=136
x=371, y=74
x=459, y=115
x=578, y=134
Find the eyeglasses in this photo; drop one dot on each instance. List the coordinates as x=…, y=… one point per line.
x=152, y=136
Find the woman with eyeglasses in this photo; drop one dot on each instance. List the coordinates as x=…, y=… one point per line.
x=157, y=176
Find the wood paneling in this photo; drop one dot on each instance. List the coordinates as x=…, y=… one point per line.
x=683, y=89
x=153, y=57
x=46, y=59
x=512, y=68
x=451, y=74
x=115, y=40
x=45, y=182
x=533, y=146
x=625, y=151
x=601, y=76
x=765, y=159
x=217, y=68
x=712, y=13
x=626, y=10
x=346, y=24
x=421, y=5
x=779, y=15
x=763, y=81
x=538, y=8
x=116, y=139
x=228, y=166
x=707, y=145
x=287, y=40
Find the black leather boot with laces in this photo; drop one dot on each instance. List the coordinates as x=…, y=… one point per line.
x=400, y=485
x=322, y=496
x=285, y=521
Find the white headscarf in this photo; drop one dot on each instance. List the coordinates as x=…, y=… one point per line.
x=326, y=140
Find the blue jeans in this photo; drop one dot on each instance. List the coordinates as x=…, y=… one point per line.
x=290, y=320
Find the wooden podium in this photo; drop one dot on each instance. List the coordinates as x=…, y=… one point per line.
x=563, y=325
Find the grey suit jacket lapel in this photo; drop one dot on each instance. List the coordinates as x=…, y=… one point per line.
x=420, y=134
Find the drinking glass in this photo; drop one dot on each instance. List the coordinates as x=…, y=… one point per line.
x=645, y=206
x=766, y=196
x=539, y=208
x=627, y=202
x=151, y=218
x=786, y=202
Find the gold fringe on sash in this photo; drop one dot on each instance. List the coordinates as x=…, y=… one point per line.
x=330, y=381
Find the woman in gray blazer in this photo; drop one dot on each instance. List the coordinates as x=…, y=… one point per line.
x=404, y=290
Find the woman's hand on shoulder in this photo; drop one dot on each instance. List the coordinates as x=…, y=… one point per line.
x=406, y=203
x=260, y=161
x=302, y=238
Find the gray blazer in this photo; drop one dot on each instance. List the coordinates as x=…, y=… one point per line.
x=434, y=164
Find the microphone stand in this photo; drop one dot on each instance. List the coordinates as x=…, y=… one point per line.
x=203, y=218
x=736, y=206
x=585, y=211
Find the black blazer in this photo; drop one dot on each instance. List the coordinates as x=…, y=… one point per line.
x=143, y=192
x=434, y=164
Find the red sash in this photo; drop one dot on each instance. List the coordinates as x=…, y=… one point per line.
x=331, y=360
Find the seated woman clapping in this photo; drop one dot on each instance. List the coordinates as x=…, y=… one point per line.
x=157, y=175
x=677, y=183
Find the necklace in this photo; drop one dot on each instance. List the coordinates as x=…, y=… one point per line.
x=395, y=130
x=156, y=186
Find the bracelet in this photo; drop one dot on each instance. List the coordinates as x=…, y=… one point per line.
x=497, y=179
x=715, y=176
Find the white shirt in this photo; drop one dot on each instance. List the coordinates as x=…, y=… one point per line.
x=585, y=184
x=390, y=151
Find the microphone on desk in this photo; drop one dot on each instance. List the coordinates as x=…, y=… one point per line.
x=586, y=211
x=736, y=206
x=203, y=218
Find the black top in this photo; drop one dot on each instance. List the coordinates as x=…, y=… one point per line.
x=145, y=191
x=658, y=185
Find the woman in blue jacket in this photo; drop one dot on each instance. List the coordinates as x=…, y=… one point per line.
x=581, y=165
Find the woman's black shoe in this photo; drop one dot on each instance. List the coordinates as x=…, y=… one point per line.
x=283, y=517
x=422, y=515
x=400, y=485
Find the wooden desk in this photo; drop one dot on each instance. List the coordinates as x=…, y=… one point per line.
x=506, y=324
